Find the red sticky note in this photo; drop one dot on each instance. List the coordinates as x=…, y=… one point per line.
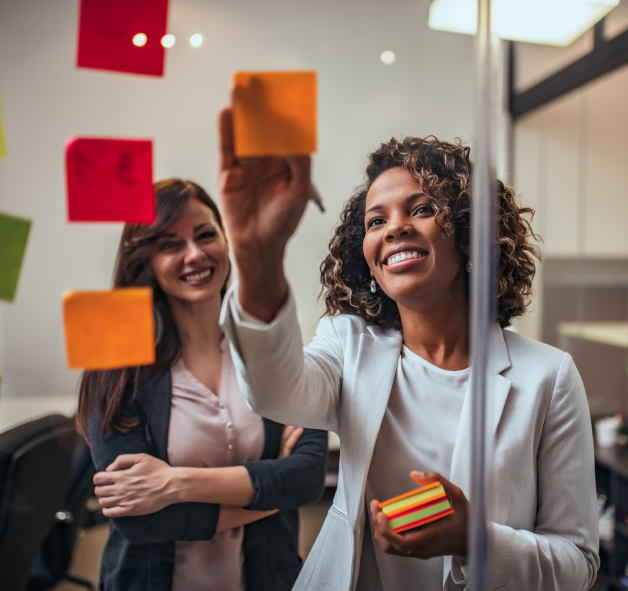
x=107, y=29
x=274, y=113
x=109, y=329
x=110, y=180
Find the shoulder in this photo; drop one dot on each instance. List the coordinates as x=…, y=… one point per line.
x=350, y=325
x=524, y=348
x=534, y=358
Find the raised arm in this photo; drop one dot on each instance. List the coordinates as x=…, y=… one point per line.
x=262, y=202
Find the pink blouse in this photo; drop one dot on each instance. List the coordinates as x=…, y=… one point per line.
x=209, y=431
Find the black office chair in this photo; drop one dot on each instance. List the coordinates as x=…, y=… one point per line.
x=35, y=461
x=79, y=510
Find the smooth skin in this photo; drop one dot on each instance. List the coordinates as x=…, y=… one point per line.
x=263, y=200
x=138, y=484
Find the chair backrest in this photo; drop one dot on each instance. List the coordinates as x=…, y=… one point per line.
x=35, y=460
x=55, y=555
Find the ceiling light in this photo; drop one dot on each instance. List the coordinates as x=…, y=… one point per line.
x=388, y=57
x=196, y=40
x=139, y=40
x=168, y=40
x=551, y=22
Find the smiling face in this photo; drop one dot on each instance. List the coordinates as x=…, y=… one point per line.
x=190, y=257
x=411, y=260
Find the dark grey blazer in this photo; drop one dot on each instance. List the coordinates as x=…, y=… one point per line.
x=139, y=555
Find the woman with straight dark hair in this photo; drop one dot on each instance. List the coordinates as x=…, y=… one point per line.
x=202, y=493
x=389, y=371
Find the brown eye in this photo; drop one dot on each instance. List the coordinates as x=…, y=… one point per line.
x=167, y=245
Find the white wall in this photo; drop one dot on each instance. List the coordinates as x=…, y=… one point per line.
x=588, y=125
x=46, y=99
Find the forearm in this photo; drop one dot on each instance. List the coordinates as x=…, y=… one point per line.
x=263, y=287
x=231, y=517
x=229, y=486
x=524, y=560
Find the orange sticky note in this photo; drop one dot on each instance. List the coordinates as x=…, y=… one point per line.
x=274, y=113
x=109, y=329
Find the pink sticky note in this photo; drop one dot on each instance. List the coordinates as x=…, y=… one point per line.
x=107, y=29
x=110, y=180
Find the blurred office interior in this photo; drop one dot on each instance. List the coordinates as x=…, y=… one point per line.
x=563, y=146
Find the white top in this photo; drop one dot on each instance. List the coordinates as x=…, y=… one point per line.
x=211, y=431
x=418, y=432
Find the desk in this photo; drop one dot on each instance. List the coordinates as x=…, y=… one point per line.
x=611, y=474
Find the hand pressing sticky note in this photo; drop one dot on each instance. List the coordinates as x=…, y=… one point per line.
x=13, y=237
x=274, y=113
x=122, y=35
x=110, y=180
x=109, y=329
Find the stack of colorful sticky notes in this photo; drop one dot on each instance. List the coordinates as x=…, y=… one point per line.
x=417, y=507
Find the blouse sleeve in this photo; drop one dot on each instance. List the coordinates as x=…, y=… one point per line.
x=291, y=482
x=179, y=522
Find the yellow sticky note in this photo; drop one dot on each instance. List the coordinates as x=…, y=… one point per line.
x=3, y=147
x=109, y=329
x=274, y=113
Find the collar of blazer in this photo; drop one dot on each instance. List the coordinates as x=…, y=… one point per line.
x=362, y=413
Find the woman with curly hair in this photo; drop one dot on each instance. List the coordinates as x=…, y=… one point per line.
x=389, y=367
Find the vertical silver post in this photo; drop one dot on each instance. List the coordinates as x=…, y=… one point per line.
x=482, y=293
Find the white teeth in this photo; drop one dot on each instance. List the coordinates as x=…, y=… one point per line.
x=198, y=276
x=403, y=256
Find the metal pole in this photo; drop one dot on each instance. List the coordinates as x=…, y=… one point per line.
x=482, y=294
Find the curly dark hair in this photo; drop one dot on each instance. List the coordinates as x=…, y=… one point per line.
x=444, y=170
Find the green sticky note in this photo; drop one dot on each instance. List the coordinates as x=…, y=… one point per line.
x=3, y=148
x=13, y=237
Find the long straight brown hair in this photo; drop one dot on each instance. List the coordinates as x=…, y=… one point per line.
x=109, y=391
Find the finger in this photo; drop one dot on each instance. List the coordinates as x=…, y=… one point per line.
x=225, y=125
x=108, y=501
x=105, y=491
x=104, y=479
x=292, y=440
x=427, y=477
x=124, y=462
x=113, y=512
x=286, y=432
x=300, y=169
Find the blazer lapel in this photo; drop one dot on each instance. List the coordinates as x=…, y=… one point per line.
x=498, y=389
x=363, y=410
x=154, y=399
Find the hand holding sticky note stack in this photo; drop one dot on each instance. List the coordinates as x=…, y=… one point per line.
x=417, y=507
x=274, y=114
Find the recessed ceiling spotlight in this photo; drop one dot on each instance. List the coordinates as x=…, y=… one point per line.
x=388, y=57
x=139, y=40
x=196, y=40
x=168, y=40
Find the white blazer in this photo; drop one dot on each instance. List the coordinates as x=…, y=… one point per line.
x=544, y=528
